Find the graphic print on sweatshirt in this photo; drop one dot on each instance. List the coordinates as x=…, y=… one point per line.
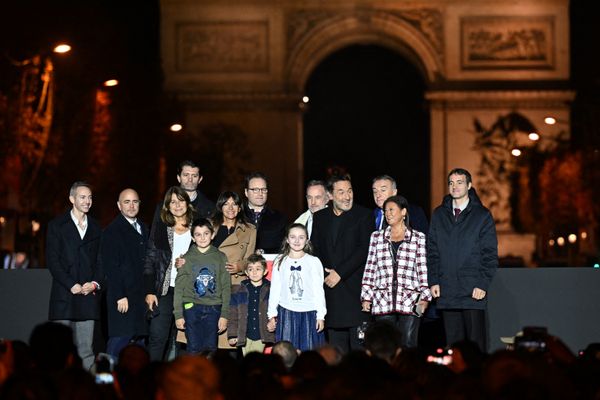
x=295, y=283
x=205, y=282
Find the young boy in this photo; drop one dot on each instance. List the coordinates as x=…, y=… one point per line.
x=202, y=291
x=248, y=313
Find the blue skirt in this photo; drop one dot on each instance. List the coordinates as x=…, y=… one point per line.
x=299, y=328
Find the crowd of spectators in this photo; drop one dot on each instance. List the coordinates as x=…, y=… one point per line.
x=48, y=368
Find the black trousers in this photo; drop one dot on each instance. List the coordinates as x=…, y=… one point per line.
x=162, y=328
x=408, y=325
x=465, y=324
x=346, y=339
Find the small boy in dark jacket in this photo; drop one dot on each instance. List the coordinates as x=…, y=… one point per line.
x=248, y=308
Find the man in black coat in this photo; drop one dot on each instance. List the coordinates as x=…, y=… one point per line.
x=462, y=257
x=270, y=224
x=341, y=236
x=123, y=250
x=72, y=256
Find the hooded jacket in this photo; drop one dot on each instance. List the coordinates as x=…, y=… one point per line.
x=462, y=253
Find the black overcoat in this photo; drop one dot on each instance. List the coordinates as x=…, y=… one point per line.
x=73, y=260
x=462, y=254
x=123, y=251
x=347, y=254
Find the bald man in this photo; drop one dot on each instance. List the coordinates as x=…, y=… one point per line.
x=123, y=250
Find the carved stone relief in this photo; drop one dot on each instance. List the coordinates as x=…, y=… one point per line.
x=507, y=42
x=223, y=46
x=429, y=22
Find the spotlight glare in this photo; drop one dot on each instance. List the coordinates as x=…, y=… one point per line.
x=572, y=238
x=111, y=82
x=176, y=127
x=515, y=152
x=305, y=99
x=62, y=48
x=560, y=241
x=534, y=136
x=550, y=120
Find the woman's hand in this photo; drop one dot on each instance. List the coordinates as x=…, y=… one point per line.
x=366, y=306
x=179, y=261
x=272, y=324
x=233, y=268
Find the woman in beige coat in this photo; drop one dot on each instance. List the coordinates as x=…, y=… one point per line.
x=234, y=237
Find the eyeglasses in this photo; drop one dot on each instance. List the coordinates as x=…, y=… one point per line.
x=258, y=190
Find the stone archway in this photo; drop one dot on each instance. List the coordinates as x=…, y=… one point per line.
x=416, y=34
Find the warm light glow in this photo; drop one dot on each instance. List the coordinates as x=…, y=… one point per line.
x=62, y=48
x=550, y=120
x=515, y=152
x=551, y=242
x=111, y=82
x=583, y=235
x=176, y=127
x=560, y=241
x=305, y=99
x=572, y=238
x=534, y=136
x=2, y=220
x=35, y=226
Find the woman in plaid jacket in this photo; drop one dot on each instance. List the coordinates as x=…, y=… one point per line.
x=394, y=285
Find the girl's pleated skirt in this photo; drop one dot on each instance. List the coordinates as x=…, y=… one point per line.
x=299, y=328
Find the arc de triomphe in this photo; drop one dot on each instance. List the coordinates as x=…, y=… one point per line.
x=244, y=64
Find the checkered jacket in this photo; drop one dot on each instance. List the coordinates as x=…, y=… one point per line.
x=411, y=282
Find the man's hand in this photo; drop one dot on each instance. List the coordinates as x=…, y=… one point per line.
x=76, y=289
x=435, y=291
x=478, y=294
x=180, y=323
x=333, y=278
x=232, y=341
x=366, y=306
x=122, y=305
x=151, y=301
x=88, y=288
x=222, y=324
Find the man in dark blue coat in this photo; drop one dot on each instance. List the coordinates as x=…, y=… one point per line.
x=462, y=257
x=72, y=256
x=341, y=235
x=123, y=250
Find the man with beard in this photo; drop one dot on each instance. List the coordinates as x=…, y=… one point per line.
x=341, y=236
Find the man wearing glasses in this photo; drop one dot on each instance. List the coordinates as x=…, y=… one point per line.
x=270, y=224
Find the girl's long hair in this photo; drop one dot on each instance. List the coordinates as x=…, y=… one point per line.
x=285, y=246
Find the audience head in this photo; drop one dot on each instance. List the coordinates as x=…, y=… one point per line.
x=189, y=378
x=383, y=340
x=52, y=347
x=286, y=351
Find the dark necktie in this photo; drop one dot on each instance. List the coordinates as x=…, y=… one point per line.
x=456, y=213
x=378, y=218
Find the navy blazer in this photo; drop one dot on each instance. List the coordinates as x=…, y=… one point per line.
x=73, y=260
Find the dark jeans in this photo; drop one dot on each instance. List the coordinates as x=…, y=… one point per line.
x=408, y=325
x=117, y=343
x=465, y=324
x=346, y=339
x=201, y=327
x=162, y=327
